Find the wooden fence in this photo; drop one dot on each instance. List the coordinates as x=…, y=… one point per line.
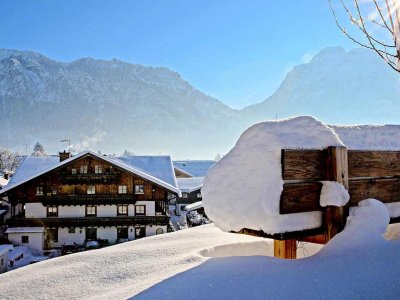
x=365, y=174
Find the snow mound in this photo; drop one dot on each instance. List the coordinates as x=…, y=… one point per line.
x=243, y=189
x=356, y=264
x=333, y=193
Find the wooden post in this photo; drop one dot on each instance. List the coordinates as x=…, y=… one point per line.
x=336, y=170
x=285, y=248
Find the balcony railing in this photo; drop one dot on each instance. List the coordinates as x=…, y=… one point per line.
x=88, y=221
x=88, y=199
x=89, y=178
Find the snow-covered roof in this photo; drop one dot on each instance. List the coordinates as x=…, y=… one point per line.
x=196, y=168
x=194, y=206
x=5, y=248
x=188, y=185
x=25, y=230
x=31, y=168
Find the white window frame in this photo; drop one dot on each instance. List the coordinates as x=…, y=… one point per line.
x=83, y=169
x=139, y=189
x=39, y=191
x=98, y=169
x=91, y=190
x=74, y=171
x=198, y=195
x=122, y=189
x=185, y=195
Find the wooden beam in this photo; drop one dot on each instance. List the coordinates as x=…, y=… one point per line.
x=336, y=170
x=302, y=197
x=285, y=249
x=373, y=163
x=302, y=164
x=385, y=190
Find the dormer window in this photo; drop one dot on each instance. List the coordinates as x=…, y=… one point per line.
x=83, y=169
x=39, y=191
x=184, y=195
x=98, y=169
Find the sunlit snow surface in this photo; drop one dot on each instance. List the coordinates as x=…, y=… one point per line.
x=243, y=189
x=356, y=264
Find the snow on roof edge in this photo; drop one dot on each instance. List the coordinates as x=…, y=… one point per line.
x=110, y=160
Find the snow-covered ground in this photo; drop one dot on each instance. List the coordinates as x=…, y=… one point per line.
x=356, y=264
x=124, y=270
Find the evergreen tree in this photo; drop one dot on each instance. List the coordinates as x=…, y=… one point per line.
x=38, y=150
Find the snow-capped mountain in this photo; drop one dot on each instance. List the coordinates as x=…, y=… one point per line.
x=107, y=105
x=113, y=105
x=338, y=87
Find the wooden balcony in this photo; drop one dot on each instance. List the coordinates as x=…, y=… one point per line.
x=88, y=199
x=89, y=178
x=88, y=221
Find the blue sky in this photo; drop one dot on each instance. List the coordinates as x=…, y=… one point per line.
x=236, y=51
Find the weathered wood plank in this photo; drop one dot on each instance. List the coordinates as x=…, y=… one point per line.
x=285, y=249
x=336, y=170
x=302, y=164
x=373, y=163
x=385, y=190
x=302, y=197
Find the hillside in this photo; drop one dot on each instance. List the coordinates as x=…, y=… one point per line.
x=337, y=87
x=107, y=105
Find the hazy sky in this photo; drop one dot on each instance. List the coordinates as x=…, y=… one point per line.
x=237, y=51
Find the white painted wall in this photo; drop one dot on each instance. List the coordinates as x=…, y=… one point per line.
x=36, y=240
x=107, y=210
x=65, y=238
x=71, y=211
x=108, y=233
x=35, y=210
x=150, y=207
x=151, y=230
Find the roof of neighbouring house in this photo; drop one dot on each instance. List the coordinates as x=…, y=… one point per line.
x=188, y=185
x=5, y=248
x=196, y=168
x=158, y=169
x=194, y=206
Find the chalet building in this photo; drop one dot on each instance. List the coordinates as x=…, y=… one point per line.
x=61, y=201
x=190, y=192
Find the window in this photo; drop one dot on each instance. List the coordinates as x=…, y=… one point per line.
x=184, y=195
x=122, y=233
x=140, y=232
x=159, y=231
x=122, y=210
x=71, y=230
x=140, y=210
x=73, y=171
x=91, y=234
x=52, y=234
x=91, y=190
x=54, y=191
x=198, y=195
x=83, y=169
x=98, y=169
x=122, y=189
x=139, y=189
x=91, y=211
x=39, y=190
x=25, y=239
x=52, y=211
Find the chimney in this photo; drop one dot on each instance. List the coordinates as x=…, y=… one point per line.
x=64, y=155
